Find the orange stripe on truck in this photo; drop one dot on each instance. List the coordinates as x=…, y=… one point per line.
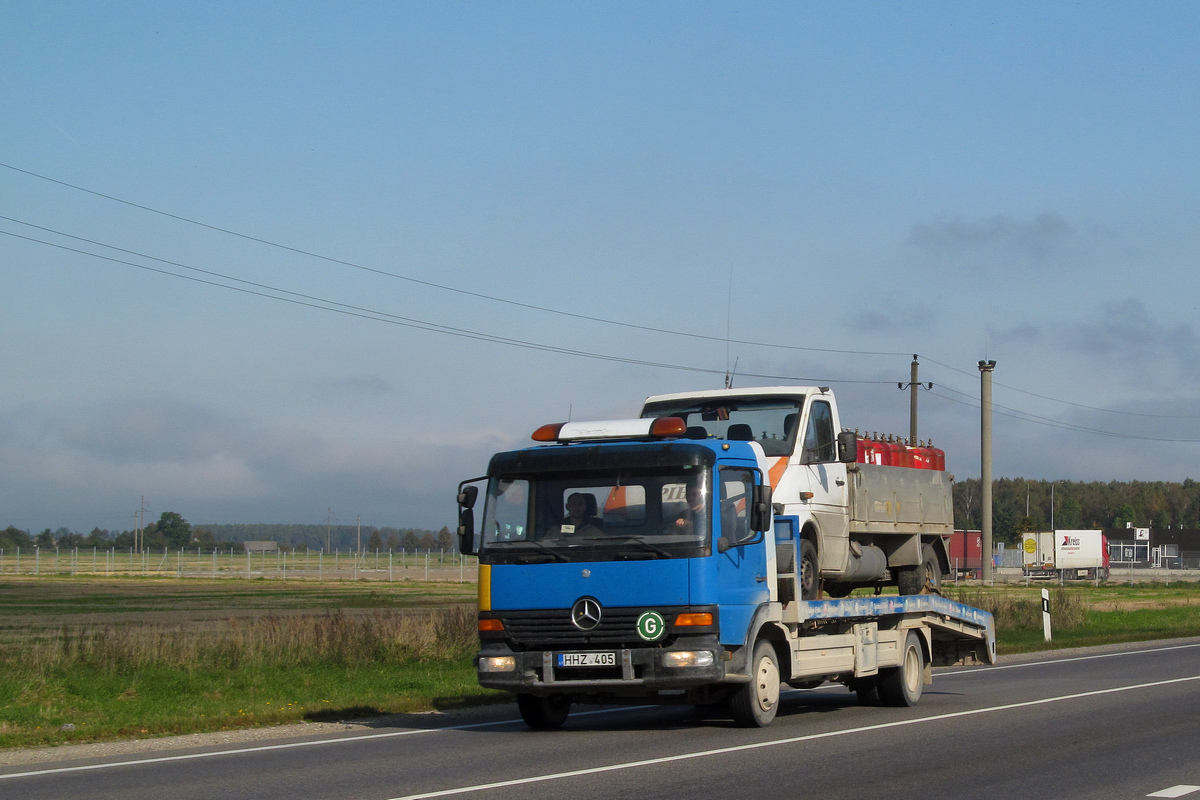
x=776, y=472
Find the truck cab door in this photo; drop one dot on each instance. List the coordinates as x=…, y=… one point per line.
x=745, y=565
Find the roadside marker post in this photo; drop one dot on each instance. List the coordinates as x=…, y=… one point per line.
x=1046, y=613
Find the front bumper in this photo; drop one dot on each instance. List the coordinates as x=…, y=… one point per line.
x=638, y=672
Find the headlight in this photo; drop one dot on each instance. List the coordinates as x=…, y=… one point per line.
x=498, y=664
x=687, y=658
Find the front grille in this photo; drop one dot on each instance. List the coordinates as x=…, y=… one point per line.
x=552, y=628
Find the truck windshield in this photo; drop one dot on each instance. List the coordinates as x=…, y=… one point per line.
x=650, y=514
x=770, y=421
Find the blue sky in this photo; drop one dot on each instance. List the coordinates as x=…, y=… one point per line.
x=1014, y=182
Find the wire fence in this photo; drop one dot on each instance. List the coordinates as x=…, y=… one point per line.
x=380, y=565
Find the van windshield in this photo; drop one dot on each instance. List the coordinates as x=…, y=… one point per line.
x=648, y=514
x=770, y=421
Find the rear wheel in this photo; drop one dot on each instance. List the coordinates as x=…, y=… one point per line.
x=755, y=704
x=544, y=713
x=810, y=581
x=902, y=685
x=924, y=578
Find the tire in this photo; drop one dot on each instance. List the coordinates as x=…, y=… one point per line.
x=544, y=713
x=901, y=686
x=867, y=690
x=924, y=578
x=810, y=576
x=755, y=704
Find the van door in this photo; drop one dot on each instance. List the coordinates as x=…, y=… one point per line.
x=826, y=479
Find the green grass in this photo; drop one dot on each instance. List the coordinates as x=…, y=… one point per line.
x=1083, y=616
x=145, y=657
x=160, y=700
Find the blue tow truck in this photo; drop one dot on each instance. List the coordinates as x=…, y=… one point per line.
x=626, y=561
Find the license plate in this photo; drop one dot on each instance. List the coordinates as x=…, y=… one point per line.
x=587, y=659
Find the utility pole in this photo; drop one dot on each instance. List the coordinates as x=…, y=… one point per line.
x=913, y=385
x=139, y=537
x=985, y=466
x=358, y=524
x=328, y=525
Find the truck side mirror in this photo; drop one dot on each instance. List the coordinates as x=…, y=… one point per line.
x=467, y=494
x=761, y=513
x=466, y=531
x=847, y=447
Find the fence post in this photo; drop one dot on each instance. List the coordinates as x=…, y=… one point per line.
x=426, y=564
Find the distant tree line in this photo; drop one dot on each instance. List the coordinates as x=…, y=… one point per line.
x=1020, y=505
x=173, y=532
x=338, y=537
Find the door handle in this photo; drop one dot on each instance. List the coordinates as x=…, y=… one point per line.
x=760, y=578
x=840, y=482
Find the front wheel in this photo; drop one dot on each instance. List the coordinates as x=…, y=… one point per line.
x=755, y=704
x=902, y=685
x=544, y=713
x=810, y=576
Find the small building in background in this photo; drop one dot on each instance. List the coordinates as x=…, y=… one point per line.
x=261, y=547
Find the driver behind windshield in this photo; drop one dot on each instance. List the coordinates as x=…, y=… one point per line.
x=580, y=518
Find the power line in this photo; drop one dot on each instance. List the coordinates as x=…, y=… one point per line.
x=324, y=304
x=440, y=286
x=1024, y=416
x=517, y=303
x=1066, y=402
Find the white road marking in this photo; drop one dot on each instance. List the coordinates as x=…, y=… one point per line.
x=774, y=743
x=1176, y=791
x=291, y=745
x=954, y=671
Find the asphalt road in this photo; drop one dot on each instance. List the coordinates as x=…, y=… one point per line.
x=1113, y=723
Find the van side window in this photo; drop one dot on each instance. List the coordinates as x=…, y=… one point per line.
x=820, y=444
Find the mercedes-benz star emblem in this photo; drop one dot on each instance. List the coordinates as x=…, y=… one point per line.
x=585, y=614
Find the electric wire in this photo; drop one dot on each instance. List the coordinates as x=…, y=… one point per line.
x=325, y=304
x=1036, y=420
x=1064, y=402
x=440, y=286
x=529, y=306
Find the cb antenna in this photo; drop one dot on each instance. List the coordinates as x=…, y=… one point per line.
x=728, y=324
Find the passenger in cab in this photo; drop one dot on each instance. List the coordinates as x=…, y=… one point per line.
x=581, y=516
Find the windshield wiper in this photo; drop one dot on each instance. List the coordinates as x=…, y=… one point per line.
x=631, y=538
x=559, y=556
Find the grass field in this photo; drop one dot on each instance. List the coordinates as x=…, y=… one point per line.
x=134, y=656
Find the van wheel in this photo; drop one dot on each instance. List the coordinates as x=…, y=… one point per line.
x=924, y=578
x=544, y=713
x=754, y=704
x=901, y=686
x=810, y=576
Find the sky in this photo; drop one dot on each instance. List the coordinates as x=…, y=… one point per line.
x=268, y=262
